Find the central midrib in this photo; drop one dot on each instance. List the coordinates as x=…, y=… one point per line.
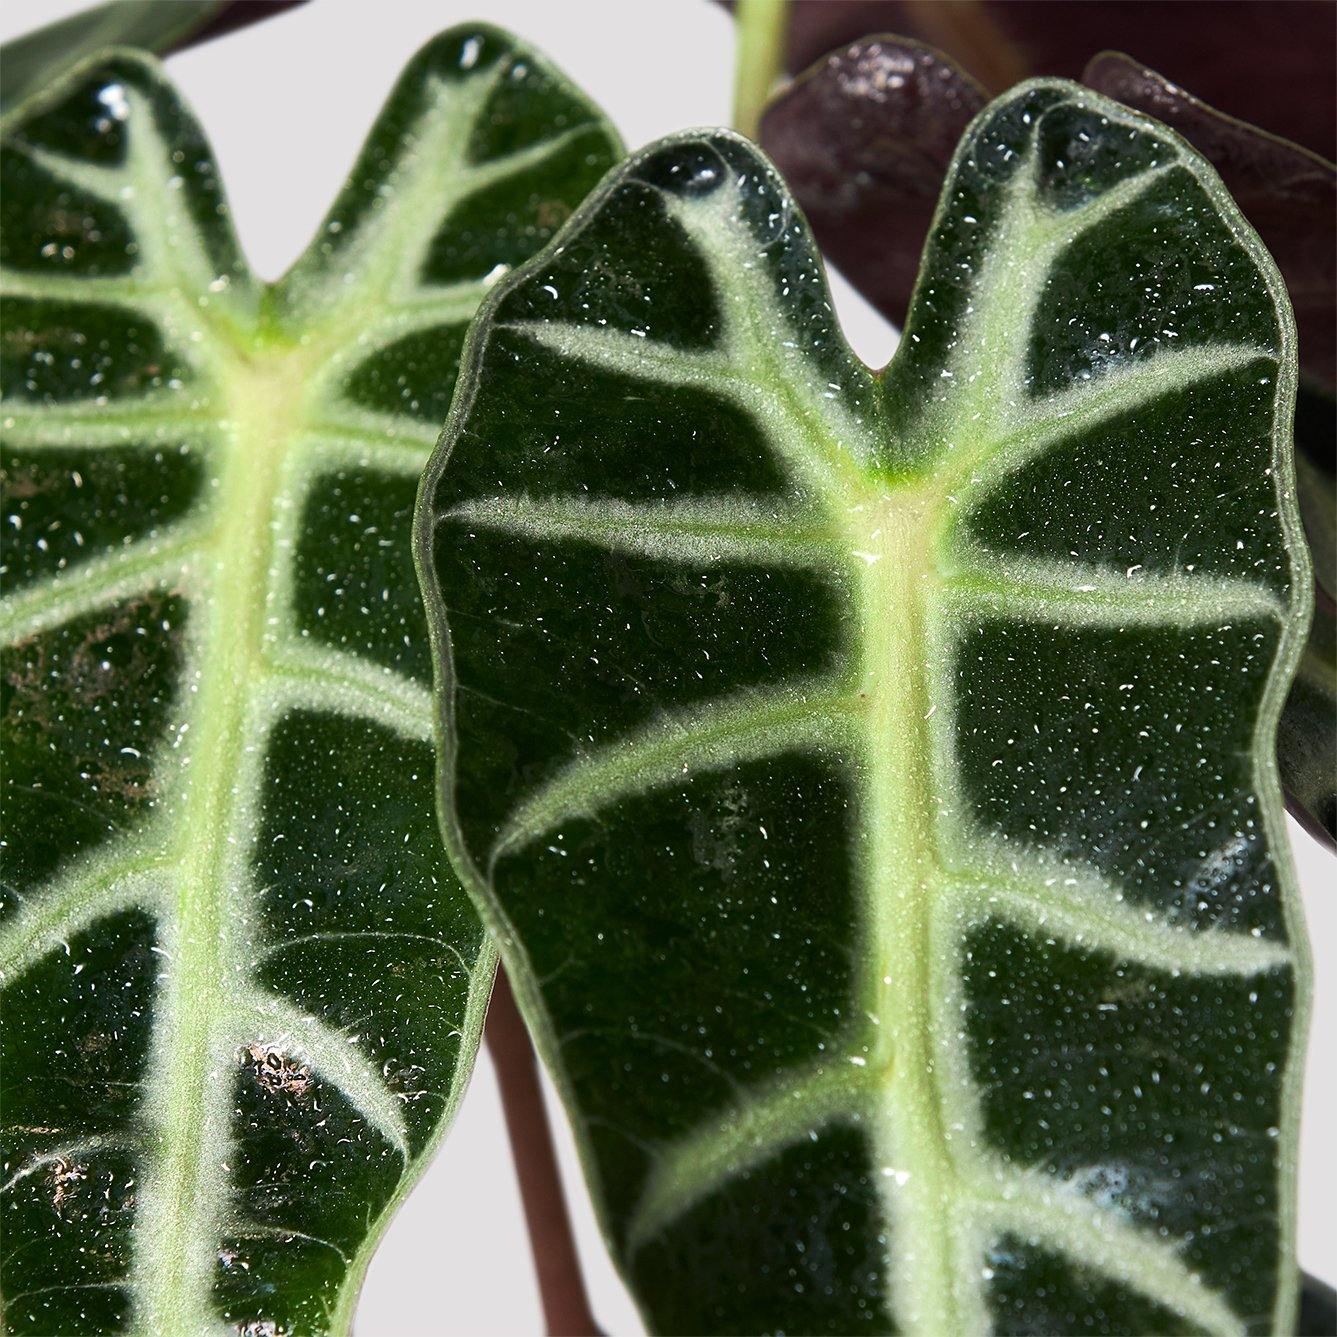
x=897, y=532
x=188, y=1095
x=892, y=534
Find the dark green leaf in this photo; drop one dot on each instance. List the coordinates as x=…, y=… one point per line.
x=1290, y=196
x=242, y=992
x=861, y=140
x=870, y=778
x=1286, y=192
x=39, y=59
x=1318, y=1308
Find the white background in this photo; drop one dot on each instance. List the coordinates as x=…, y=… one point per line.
x=286, y=104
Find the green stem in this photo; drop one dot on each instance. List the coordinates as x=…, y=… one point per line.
x=760, y=26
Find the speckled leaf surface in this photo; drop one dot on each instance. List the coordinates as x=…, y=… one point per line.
x=242, y=991
x=870, y=777
x=1285, y=191
x=863, y=139
x=1290, y=196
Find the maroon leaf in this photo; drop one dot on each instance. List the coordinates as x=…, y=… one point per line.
x=237, y=14
x=1270, y=62
x=961, y=27
x=864, y=139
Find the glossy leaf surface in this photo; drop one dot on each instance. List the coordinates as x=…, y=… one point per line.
x=1290, y=196
x=242, y=991
x=1288, y=193
x=869, y=777
x=862, y=138
x=38, y=59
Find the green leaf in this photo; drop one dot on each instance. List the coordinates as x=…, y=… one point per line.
x=870, y=777
x=242, y=991
x=1318, y=1308
x=1290, y=196
x=1288, y=193
x=38, y=59
x=863, y=140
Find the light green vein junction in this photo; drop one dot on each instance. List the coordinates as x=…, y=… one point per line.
x=262, y=407
x=907, y=1123
x=183, y=1186
x=910, y=576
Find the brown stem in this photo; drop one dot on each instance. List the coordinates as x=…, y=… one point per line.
x=566, y=1306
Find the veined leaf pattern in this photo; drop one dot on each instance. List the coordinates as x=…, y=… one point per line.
x=242, y=991
x=870, y=777
x=863, y=140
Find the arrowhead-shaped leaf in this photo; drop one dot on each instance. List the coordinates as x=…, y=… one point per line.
x=242, y=992
x=870, y=777
x=862, y=139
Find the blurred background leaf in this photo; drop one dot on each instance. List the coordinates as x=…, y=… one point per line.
x=1271, y=62
x=160, y=26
